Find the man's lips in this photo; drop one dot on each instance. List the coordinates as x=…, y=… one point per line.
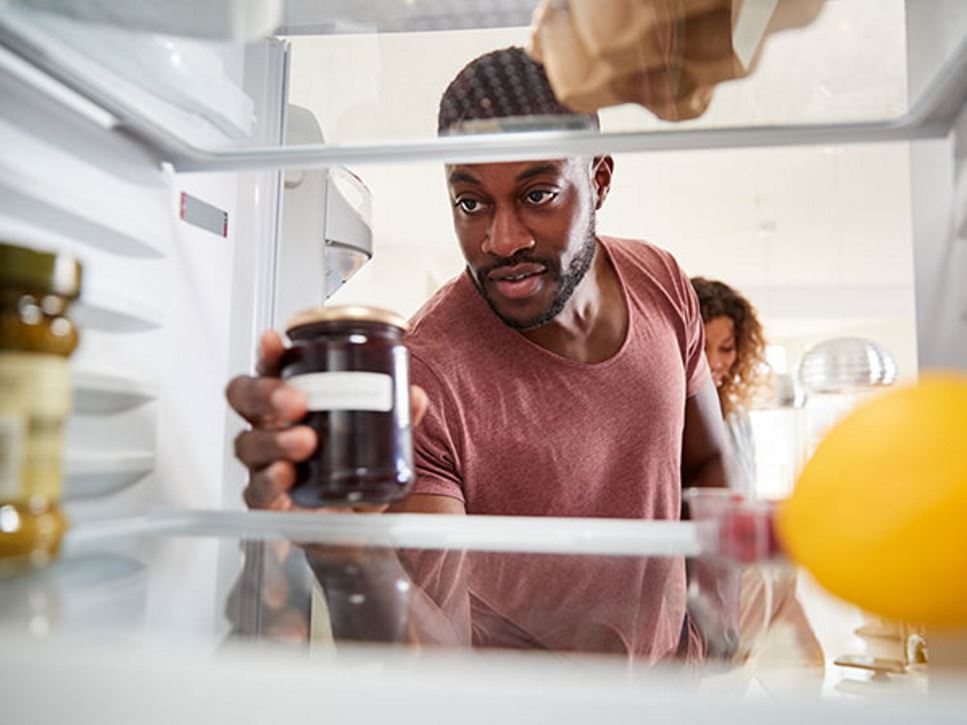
x=515, y=272
x=519, y=280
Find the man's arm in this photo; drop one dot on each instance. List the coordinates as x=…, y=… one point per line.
x=423, y=503
x=706, y=454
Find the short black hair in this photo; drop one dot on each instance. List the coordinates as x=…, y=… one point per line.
x=502, y=84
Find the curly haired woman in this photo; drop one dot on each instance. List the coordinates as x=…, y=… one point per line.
x=735, y=348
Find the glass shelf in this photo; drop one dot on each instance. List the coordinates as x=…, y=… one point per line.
x=639, y=608
x=373, y=72
x=643, y=594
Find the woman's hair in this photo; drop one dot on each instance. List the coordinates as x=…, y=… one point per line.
x=747, y=375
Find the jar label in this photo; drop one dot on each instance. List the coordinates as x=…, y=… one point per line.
x=346, y=390
x=35, y=396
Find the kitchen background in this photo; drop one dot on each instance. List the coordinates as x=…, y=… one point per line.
x=820, y=238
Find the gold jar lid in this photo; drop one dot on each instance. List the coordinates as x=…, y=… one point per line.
x=58, y=274
x=344, y=313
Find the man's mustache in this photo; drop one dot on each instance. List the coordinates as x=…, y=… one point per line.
x=522, y=257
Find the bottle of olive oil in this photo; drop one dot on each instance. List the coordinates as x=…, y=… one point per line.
x=36, y=341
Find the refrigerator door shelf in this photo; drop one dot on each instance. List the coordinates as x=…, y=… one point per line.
x=349, y=233
x=326, y=226
x=342, y=262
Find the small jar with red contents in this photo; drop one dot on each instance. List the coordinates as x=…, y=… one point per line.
x=354, y=369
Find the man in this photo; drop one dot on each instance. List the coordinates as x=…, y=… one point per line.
x=559, y=361
x=564, y=370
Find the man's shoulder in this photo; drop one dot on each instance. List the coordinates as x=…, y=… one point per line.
x=640, y=253
x=444, y=307
x=643, y=263
x=444, y=324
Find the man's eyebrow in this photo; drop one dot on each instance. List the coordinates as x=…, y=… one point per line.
x=537, y=171
x=461, y=176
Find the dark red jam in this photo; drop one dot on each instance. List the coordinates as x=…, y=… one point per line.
x=353, y=366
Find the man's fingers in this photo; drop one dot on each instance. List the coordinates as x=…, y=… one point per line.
x=259, y=448
x=266, y=401
x=419, y=402
x=271, y=348
x=372, y=508
x=268, y=488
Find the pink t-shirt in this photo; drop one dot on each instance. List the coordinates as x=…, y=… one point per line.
x=514, y=429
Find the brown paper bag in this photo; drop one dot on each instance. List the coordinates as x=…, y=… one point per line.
x=666, y=55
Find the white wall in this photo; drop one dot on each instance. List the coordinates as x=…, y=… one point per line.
x=818, y=237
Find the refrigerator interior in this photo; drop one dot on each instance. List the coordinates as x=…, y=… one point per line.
x=291, y=123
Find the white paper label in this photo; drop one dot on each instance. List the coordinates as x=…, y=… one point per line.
x=346, y=390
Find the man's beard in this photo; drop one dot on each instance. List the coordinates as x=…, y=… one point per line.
x=567, y=281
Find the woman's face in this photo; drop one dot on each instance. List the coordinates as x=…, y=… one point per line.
x=720, y=347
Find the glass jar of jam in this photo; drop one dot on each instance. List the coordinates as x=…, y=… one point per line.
x=352, y=364
x=36, y=340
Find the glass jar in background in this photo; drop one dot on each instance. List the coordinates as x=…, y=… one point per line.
x=352, y=364
x=36, y=341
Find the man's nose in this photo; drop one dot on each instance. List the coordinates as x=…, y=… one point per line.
x=507, y=234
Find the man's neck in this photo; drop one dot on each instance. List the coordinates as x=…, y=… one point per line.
x=592, y=326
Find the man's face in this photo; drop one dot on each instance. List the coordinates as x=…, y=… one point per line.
x=527, y=232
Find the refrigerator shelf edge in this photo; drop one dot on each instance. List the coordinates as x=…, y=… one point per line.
x=614, y=537
x=98, y=393
x=930, y=117
x=107, y=312
x=72, y=218
x=92, y=475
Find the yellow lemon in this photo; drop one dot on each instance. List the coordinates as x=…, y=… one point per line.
x=879, y=514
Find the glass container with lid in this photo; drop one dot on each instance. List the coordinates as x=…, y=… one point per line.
x=352, y=364
x=36, y=340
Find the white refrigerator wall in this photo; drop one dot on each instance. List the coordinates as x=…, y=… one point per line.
x=938, y=178
x=168, y=311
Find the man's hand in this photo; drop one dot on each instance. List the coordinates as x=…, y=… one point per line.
x=276, y=443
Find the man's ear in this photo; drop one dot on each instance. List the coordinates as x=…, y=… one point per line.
x=602, y=170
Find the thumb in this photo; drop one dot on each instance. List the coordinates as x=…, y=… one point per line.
x=419, y=402
x=271, y=349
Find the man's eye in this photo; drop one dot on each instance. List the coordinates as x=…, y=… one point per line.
x=538, y=197
x=468, y=206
